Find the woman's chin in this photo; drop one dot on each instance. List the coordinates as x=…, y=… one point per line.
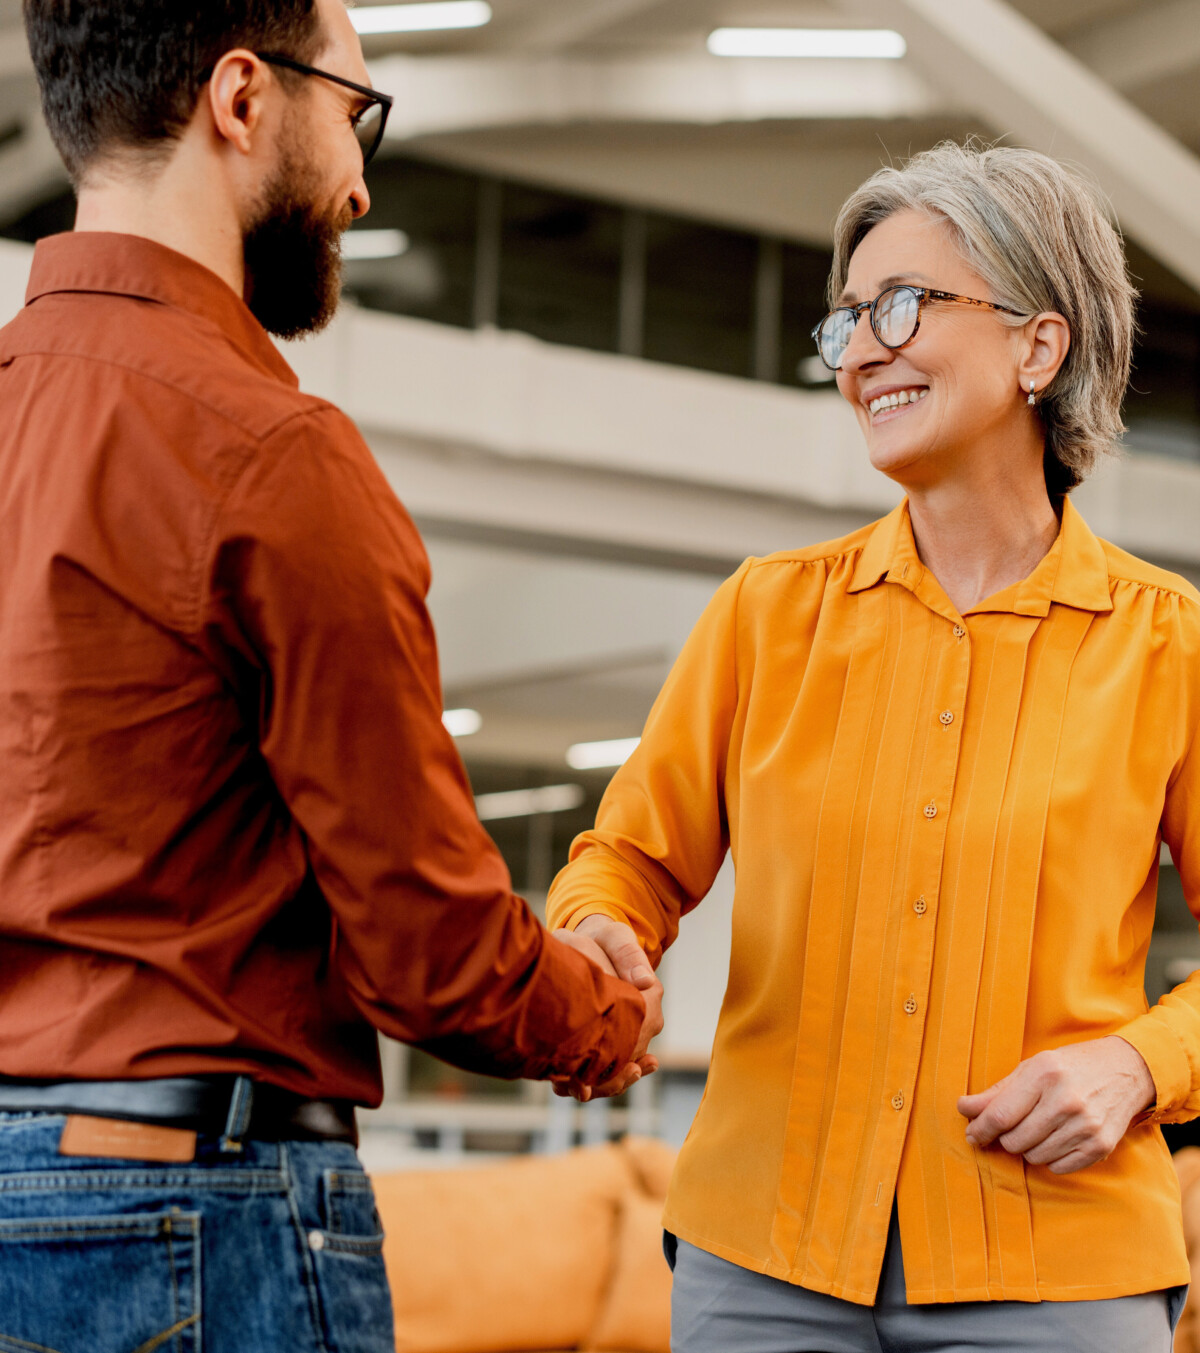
x=899, y=460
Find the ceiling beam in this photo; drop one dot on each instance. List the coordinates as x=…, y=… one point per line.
x=1134, y=50
x=989, y=58
x=447, y=94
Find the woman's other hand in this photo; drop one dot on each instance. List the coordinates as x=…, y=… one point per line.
x=1065, y=1109
x=613, y=947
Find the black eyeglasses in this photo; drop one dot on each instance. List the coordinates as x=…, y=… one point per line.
x=369, y=122
x=895, y=319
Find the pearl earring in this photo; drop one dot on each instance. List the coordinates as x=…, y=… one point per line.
x=1031, y=401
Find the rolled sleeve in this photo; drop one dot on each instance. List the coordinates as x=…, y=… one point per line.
x=319, y=580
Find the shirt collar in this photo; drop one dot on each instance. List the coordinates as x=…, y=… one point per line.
x=129, y=265
x=1073, y=573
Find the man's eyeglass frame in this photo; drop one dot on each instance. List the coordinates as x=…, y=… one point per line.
x=384, y=101
x=923, y=295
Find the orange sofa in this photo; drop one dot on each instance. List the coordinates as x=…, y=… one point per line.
x=565, y=1252
x=537, y=1253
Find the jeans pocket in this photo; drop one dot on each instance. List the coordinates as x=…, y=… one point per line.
x=123, y=1284
x=351, y=1279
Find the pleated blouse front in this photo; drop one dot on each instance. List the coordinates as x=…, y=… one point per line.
x=946, y=831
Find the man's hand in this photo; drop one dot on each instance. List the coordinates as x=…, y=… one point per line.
x=1065, y=1109
x=614, y=948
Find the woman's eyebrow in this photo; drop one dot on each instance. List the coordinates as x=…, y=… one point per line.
x=849, y=298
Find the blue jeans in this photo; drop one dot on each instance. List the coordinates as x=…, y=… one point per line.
x=277, y=1248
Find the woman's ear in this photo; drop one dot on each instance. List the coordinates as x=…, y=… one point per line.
x=1045, y=344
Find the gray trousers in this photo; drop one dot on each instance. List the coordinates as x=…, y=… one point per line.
x=718, y=1307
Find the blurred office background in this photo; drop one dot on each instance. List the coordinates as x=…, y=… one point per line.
x=577, y=339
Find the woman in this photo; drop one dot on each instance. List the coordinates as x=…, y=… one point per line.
x=943, y=752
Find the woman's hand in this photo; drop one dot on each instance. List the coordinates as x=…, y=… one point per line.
x=1064, y=1109
x=614, y=948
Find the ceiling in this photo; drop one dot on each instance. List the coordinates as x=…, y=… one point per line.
x=773, y=146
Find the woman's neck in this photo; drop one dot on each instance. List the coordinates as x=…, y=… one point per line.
x=977, y=540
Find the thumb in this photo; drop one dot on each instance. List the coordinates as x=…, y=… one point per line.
x=630, y=963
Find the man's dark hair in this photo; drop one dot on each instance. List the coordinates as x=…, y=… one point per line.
x=127, y=74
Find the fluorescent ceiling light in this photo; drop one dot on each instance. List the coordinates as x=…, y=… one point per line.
x=596, y=755
x=839, y=43
x=461, y=723
x=421, y=18
x=528, y=802
x=358, y=245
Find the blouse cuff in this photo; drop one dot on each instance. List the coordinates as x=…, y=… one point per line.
x=1165, y=1056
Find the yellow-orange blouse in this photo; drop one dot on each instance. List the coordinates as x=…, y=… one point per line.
x=945, y=830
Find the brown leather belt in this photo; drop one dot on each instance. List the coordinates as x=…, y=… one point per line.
x=208, y=1105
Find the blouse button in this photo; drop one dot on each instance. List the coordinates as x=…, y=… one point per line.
x=898, y=1101
x=910, y=1006
x=931, y=810
x=920, y=906
x=947, y=717
x=959, y=631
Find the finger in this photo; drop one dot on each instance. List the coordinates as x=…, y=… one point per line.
x=1040, y=1125
x=649, y=1064
x=1077, y=1160
x=628, y=1078
x=971, y=1106
x=1058, y=1145
x=1010, y=1107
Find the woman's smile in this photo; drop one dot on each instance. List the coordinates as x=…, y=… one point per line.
x=886, y=404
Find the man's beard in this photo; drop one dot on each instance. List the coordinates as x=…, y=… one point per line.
x=293, y=254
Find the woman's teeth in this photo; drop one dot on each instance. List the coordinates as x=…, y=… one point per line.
x=896, y=400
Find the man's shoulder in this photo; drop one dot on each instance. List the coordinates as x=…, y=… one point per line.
x=181, y=362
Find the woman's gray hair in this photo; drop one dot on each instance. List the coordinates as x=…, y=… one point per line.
x=1039, y=235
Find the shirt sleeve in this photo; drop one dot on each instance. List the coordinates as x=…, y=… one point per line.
x=1168, y=1035
x=318, y=580
x=662, y=830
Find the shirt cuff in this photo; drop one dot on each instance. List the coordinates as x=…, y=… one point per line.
x=572, y=920
x=1165, y=1056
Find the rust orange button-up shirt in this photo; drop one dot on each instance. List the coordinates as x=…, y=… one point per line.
x=946, y=833
x=234, y=834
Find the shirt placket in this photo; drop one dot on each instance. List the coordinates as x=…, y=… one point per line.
x=942, y=703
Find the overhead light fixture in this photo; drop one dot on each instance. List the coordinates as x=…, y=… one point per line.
x=461, y=723
x=829, y=43
x=420, y=18
x=359, y=245
x=599, y=755
x=529, y=802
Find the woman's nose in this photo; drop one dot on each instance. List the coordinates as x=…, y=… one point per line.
x=864, y=348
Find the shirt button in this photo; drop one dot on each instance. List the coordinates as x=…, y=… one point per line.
x=920, y=906
x=959, y=631
x=931, y=810
x=947, y=717
x=316, y=1241
x=898, y=1101
x=910, y=1006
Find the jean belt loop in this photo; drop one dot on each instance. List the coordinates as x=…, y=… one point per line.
x=241, y=1102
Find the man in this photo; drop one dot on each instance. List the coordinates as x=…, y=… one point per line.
x=235, y=839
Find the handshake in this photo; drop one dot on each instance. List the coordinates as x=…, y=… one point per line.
x=613, y=946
